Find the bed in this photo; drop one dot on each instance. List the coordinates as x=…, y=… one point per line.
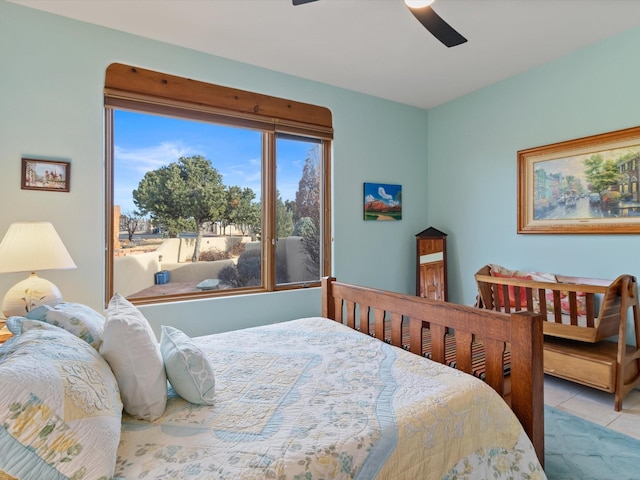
x=303, y=399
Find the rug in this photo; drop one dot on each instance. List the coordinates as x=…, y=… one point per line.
x=576, y=449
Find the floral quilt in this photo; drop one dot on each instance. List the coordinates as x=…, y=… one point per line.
x=312, y=399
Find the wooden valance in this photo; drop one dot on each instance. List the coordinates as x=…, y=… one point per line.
x=124, y=83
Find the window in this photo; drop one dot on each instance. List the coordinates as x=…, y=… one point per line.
x=209, y=196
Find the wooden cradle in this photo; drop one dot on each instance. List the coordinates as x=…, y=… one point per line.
x=575, y=345
x=357, y=307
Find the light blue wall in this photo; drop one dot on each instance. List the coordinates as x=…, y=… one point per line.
x=52, y=77
x=472, y=168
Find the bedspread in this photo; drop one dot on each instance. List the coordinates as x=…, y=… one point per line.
x=312, y=399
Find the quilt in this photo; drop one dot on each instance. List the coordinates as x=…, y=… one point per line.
x=313, y=399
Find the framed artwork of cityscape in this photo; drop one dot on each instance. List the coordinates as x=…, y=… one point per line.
x=587, y=185
x=45, y=175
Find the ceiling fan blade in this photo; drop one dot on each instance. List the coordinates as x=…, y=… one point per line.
x=302, y=2
x=437, y=26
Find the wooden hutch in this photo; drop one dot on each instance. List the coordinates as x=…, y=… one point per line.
x=431, y=264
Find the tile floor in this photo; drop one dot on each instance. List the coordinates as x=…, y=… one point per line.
x=594, y=405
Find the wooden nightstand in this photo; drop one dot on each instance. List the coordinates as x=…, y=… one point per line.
x=5, y=334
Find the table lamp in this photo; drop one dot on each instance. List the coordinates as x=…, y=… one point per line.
x=27, y=247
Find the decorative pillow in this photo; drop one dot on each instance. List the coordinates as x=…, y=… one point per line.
x=131, y=349
x=565, y=306
x=511, y=290
x=505, y=272
x=18, y=325
x=81, y=320
x=14, y=325
x=187, y=367
x=60, y=409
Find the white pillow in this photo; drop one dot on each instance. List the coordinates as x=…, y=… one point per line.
x=187, y=366
x=60, y=412
x=131, y=348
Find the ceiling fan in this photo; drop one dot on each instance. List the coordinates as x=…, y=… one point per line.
x=433, y=22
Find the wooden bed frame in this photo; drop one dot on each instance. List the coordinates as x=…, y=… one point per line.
x=354, y=306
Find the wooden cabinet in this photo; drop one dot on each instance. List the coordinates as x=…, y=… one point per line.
x=431, y=264
x=594, y=366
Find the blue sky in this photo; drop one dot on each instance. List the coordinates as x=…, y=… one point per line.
x=574, y=165
x=145, y=142
x=382, y=191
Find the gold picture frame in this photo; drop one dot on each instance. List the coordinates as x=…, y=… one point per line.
x=586, y=185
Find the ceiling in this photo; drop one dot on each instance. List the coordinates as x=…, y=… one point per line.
x=376, y=47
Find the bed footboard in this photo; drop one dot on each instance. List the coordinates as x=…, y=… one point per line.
x=357, y=307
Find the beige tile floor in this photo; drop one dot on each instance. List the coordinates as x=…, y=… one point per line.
x=594, y=405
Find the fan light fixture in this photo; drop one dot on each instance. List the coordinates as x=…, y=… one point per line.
x=422, y=10
x=27, y=247
x=418, y=3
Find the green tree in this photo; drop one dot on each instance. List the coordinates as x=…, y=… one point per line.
x=185, y=193
x=308, y=194
x=593, y=166
x=249, y=215
x=252, y=221
x=155, y=196
x=311, y=246
x=232, y=202
x=284, y=218
x=601, y=174
x=240, y=209
x=610, y=175
x=291, y=207
x=304, y=227
x=308, y=207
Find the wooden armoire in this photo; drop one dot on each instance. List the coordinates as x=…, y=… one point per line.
x=431, y=264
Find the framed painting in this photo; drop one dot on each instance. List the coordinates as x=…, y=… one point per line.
x=45, y=175
x=587, y=185
x=382, y=201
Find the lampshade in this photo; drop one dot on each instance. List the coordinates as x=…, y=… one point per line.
x=27, y=247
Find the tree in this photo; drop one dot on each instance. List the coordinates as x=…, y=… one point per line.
x=240, y=210
x=232, y=202
x=304, y=227
x=308, y=194
x=291, y=207
x=284, y=218
x=601, y=174
x=252, y=221
x=308, y=207
x=249, y=214
x=311, y=245
x=130, y=221
x=188, y=191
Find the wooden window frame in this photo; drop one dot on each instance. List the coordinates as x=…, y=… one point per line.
x=137, y=89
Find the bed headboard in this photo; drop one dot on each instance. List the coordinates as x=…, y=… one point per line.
x=356, y=306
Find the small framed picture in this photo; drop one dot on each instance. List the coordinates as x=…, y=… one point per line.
x=46, y=175
x=382, y=201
